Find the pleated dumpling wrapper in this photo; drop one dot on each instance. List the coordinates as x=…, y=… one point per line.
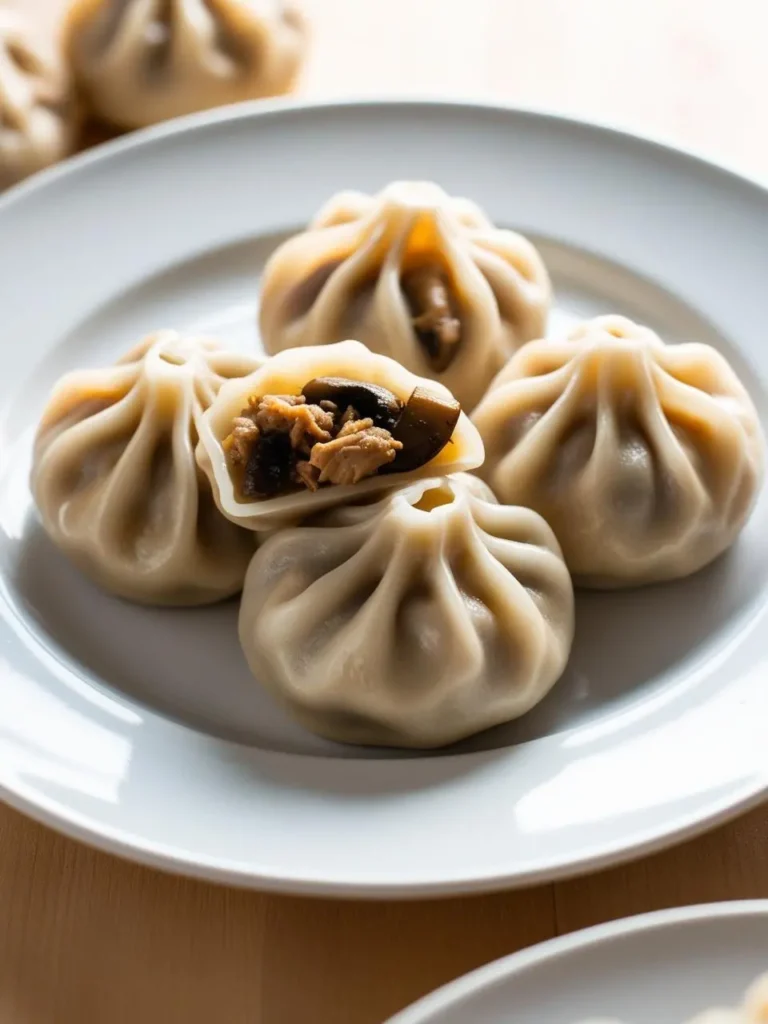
x=317, y=427
x=414, y=274
x=116, y=482
x=142, y=61
x=413, y=620
x=644, y=458
x=39, y=117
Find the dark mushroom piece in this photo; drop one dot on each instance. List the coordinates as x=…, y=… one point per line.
x=433, y=315
x=425, y=427
x=269, y=466
x=370, y=401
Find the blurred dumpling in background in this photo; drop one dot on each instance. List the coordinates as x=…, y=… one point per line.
x=38, y=115
x=138, y=62
x=414, y=274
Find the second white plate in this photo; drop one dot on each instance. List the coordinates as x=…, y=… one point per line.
x=656, y=969
x=142, y=731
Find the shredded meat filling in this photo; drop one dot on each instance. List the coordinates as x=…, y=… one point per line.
x=359, y=450
x=336, y=432
x=290, y=414
x=244, y=436
x=281, y=440
x=433, y=314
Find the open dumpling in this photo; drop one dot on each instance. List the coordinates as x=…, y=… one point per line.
x=143, y=61
x=413, y=620
x=315, y=427
x=645, y=458
x=38, y=114
x=414, y=274
x=116, y=482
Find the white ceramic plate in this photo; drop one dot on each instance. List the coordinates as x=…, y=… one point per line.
x=142, y=732
x=657, y=969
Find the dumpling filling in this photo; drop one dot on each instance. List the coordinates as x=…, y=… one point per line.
x=433, y=313
x=336, y=432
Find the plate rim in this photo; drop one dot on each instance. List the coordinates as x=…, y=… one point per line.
x=266, y=108
x=449, y=996
x=129, y=846
x=162, y=857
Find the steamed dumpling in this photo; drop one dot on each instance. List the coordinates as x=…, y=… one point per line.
x=316, y=427
x=644, y=458
x=414, y=620
x=414, y=274
x=143, y=61
x=38, y=114
x=115, y=479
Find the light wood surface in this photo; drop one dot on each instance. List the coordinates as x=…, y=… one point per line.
x=88, y=939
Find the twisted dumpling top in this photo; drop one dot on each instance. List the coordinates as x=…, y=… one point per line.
x=645, y=458
x=116, y=482
x=414, y=619
x=414, y=274
x=143, y=61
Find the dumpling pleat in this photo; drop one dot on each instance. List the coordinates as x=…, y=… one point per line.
x=327, y=316
x=646, y=461
x=376, y=239
x=118, y=488
x=405, y=622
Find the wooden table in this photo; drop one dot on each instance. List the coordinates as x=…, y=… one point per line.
x=88, y=939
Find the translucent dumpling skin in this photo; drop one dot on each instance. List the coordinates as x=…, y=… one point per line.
x=645, y=458
x=413, y=620
x=414, y=274
x=116, y=482
x=142, y=61
x=39, y=117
